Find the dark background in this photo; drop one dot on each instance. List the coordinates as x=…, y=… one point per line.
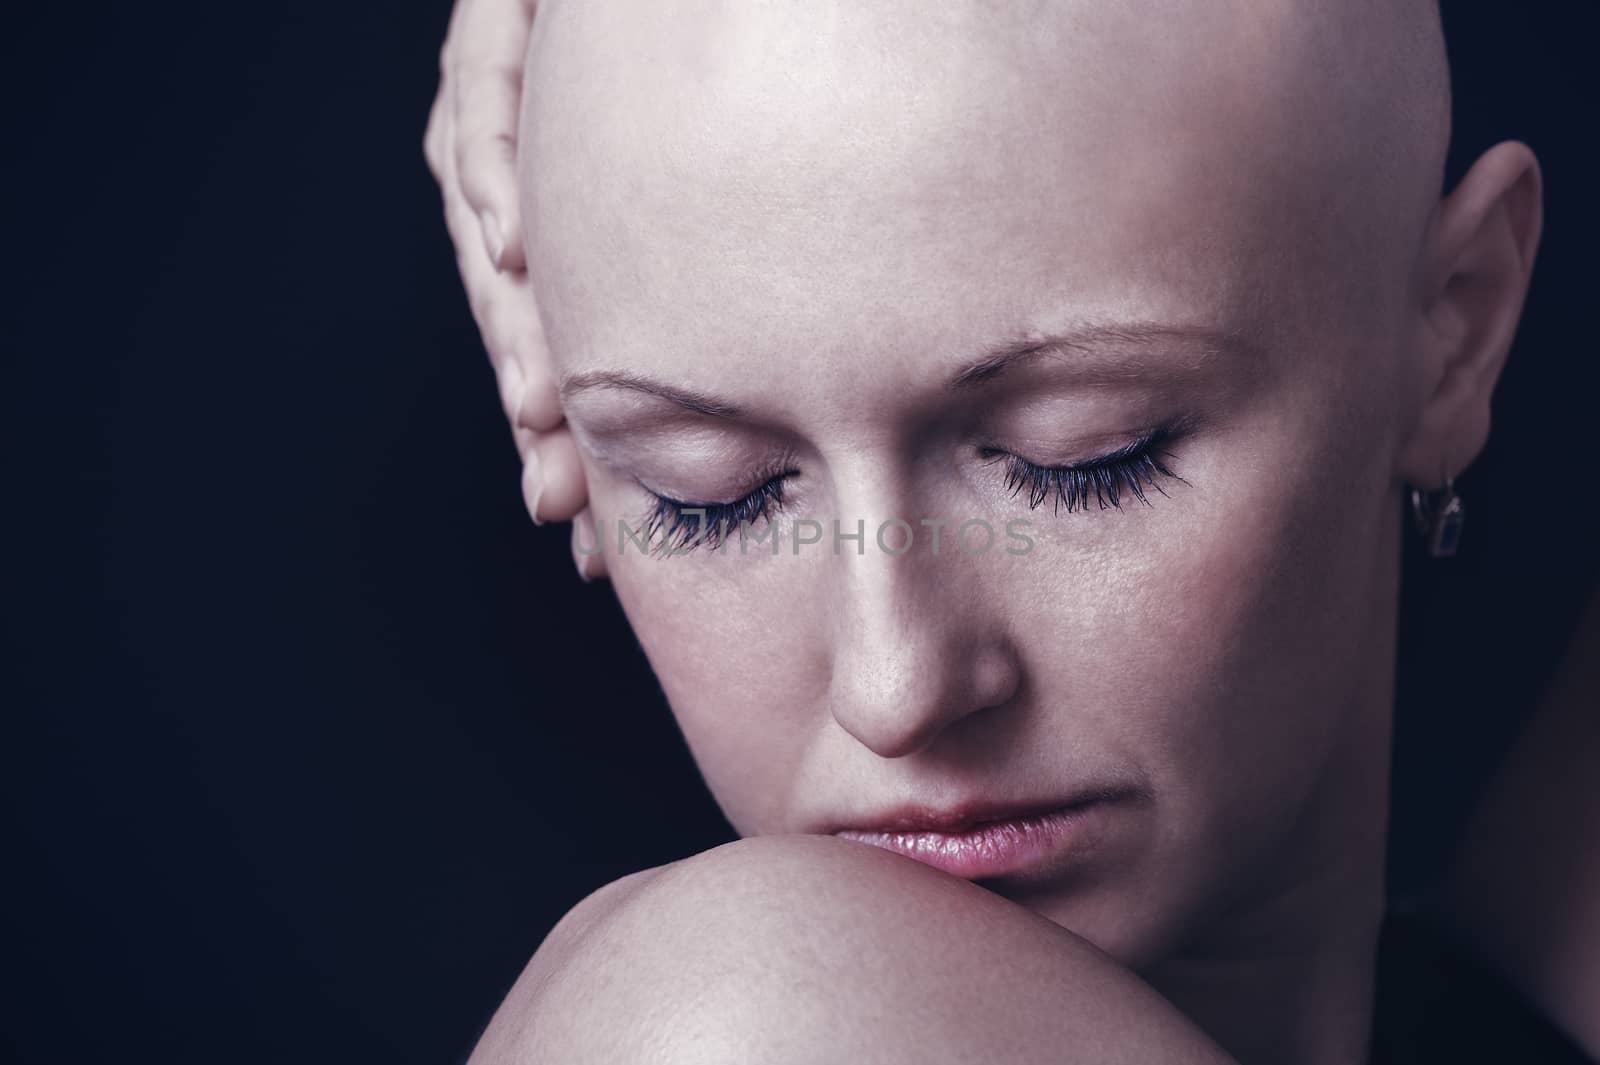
x=310, y=734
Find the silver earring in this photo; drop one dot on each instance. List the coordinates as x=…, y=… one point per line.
x=1439, y=516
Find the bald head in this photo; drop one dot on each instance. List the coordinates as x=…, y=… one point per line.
x=801, y=141
x=868, y=262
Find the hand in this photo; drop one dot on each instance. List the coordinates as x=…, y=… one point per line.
x=470, y=146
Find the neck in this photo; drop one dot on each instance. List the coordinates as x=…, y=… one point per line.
x=1288, y=973
x=1293, y=979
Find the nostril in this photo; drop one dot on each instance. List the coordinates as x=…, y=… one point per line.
x=996, y=674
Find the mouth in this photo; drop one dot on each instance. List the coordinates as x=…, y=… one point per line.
x=973, y=842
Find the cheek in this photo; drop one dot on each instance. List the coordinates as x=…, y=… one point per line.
x=1220, y=640
x=736, y=646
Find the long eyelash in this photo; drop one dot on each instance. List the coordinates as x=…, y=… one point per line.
x=1133, y=469
x=1130, y=470
x=681, y=527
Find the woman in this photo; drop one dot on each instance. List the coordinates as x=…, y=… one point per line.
x=1168, y=298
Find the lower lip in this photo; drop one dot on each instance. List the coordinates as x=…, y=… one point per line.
x=993, y=848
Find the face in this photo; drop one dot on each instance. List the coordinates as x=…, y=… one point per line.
x=860, y=266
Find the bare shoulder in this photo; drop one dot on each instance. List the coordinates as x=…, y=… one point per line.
x=1525, y=890
x=805, y=948
x=517, y=1030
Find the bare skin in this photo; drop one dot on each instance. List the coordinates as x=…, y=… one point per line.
x=810, y=949
x=1245, y=887
x=470, y=147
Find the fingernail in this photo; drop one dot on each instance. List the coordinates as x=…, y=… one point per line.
x=532, y=483
x=585, y=544
x=492, y=238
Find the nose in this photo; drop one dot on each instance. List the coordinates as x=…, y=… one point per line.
x=912, y=652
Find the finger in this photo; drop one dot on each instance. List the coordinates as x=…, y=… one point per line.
x=588, y=552
x=434, y=137
x=490, y=46
x=539, y=404
x=478, y=277
x=508, y=320
x=504, y=310
x=439, y=135
x=561, y=490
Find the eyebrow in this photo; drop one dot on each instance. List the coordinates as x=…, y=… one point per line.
x=699, y=402
x=1093, y=339
x=1086, y=340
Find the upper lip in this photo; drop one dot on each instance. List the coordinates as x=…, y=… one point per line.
x=967, y=815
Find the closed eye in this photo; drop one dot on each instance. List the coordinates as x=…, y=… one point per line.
x=682, y=525
x=1131, y=470
x=678, y=525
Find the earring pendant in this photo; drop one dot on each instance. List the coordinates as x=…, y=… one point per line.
x=1439, y=516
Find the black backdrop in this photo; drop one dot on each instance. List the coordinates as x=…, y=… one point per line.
x=310, y=735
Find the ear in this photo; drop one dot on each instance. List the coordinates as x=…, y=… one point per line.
x=1477, y=261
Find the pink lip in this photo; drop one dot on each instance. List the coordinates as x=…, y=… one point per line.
x=975, y=846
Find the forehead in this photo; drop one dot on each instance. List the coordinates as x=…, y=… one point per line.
x=709, y=194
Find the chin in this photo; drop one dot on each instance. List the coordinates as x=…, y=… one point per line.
x=1130, y=918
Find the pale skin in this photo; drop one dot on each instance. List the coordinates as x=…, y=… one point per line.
x=1365, y=339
